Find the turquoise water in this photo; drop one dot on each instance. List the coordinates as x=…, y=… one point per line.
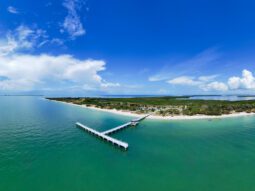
x=41, y=149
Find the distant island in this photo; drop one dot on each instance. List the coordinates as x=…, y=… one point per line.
x=168, y=106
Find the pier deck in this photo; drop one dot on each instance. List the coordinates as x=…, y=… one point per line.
x=103, y=136
x=140, y=118
x=113, y=130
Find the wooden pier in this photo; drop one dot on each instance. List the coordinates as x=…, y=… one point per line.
x=104, y=135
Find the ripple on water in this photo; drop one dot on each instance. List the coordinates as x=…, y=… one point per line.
x=41, y=149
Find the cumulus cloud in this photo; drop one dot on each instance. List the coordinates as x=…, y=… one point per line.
x=72, y=23
x=208, y=83
x=20, y=70
x=205, y=83
x=27, y=72
x=217, y=86
x=12, y=10
x=247, y=81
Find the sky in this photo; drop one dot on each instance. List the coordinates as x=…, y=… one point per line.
x=130, y=47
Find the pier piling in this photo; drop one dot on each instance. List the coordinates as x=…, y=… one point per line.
x=104, y=135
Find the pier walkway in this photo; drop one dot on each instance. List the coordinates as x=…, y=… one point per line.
x=140, y=119
x=104, y=135
x=113, y=130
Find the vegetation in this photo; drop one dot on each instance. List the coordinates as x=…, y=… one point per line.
x=166, y=106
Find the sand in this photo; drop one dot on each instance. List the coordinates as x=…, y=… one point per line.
x=177, y=117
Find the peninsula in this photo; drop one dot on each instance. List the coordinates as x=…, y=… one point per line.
x=166, y=107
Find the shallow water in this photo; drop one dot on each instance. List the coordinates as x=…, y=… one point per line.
x=41, y=149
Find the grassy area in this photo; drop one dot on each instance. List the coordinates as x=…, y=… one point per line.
x=166, y=106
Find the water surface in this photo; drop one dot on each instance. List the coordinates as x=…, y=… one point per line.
x=223, y=97
x=41, y=149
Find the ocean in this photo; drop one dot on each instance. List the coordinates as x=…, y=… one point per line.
x=41, y=149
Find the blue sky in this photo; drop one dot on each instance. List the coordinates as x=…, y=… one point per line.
x=93, y=47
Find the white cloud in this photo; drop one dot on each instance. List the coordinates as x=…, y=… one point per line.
x=57, y=41
x=207, y=78
x=54, y=41
x=109, y=84
x=12, y=10
x=247, y=81
x=29, y=72
x=20, y=70
x=183, y=80
x=72, y=23
x=217, y=86
x=22, y=38
x=157, y=77
x=205, y=83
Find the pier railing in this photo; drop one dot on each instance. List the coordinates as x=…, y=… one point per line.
x=104, y=135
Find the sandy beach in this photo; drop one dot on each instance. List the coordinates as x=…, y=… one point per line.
x=178, y=117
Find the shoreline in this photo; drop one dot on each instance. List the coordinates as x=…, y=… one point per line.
x=177, y=117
